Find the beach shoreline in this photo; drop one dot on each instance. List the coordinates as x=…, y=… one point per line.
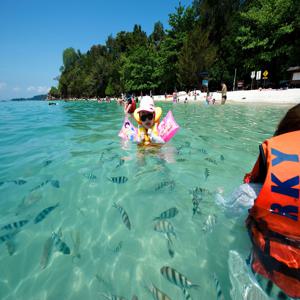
x=259, y=96
x=288, y=96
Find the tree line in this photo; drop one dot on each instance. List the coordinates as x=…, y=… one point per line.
x=208, y=39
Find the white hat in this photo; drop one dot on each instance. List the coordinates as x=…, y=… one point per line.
x=147, y=104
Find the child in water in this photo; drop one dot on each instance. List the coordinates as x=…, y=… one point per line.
x=271, y=196
x=273, y=221
x=130, y=105
x=147, y=116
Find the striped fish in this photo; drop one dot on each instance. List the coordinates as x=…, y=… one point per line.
x=167, y=214
x=186, y=294
x=60, y=245
x=181, y=147
x=112, y=297
x=203, y=151
x=119, y=180
x=200, y=192
x=157, y=293
x=213, y=161
x=118, y=247
x=14, y=225
x=103, y=281
x=170, y=184
x=164, y=226
x=7, y=237
x=282, y=296
x=170, y=247
x=55, y=183
x=178, y=149
x=220, y=295
x=269, y=287
x=90, y=176
x=39, y=186
x=121, y=163
x=43, y=214
x=46, y=163
x=124, y=215
x=196, y=205
x=222, y=157
x=176, y=278
x=204, y=138
x=180, y=159
x=47, y=251
x=206, y=173
x=19, y=181
x=197, y=196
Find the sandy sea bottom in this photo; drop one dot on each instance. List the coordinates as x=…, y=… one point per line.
x=62, y=170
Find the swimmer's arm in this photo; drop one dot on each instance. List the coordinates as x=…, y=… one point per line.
x=258, y=173
x=128, y=108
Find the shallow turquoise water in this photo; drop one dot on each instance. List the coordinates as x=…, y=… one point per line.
x=67, y=154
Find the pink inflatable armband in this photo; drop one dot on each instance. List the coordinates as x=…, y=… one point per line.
x=168, y=127
x=128, y=132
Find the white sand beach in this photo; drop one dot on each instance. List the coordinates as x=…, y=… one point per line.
x=246, y=96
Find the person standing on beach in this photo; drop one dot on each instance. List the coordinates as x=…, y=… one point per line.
x=224, y=93
x=174, y=97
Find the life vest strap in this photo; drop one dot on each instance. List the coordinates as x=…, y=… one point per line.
x=271, y=264
x=262, y=165
x=271, y=235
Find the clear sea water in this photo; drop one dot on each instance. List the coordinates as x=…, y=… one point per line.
x=67, y=155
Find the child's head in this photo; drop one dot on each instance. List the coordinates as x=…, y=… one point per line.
x=146, y=112
x=290, y=122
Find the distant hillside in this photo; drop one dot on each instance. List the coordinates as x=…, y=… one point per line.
x=34, y=98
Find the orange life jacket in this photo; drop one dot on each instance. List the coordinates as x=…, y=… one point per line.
x=274, y=219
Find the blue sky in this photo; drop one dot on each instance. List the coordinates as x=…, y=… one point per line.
x=34, y=33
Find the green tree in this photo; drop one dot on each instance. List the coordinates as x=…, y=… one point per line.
x=158, y=34
x=181, y=22
x=110, y=89
x=138, y=37
x=216, y=20
x=266, y=32
x=211, y=35
x=54, y=92
x=69, y=58
x=139, y=71
x=197, y=55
